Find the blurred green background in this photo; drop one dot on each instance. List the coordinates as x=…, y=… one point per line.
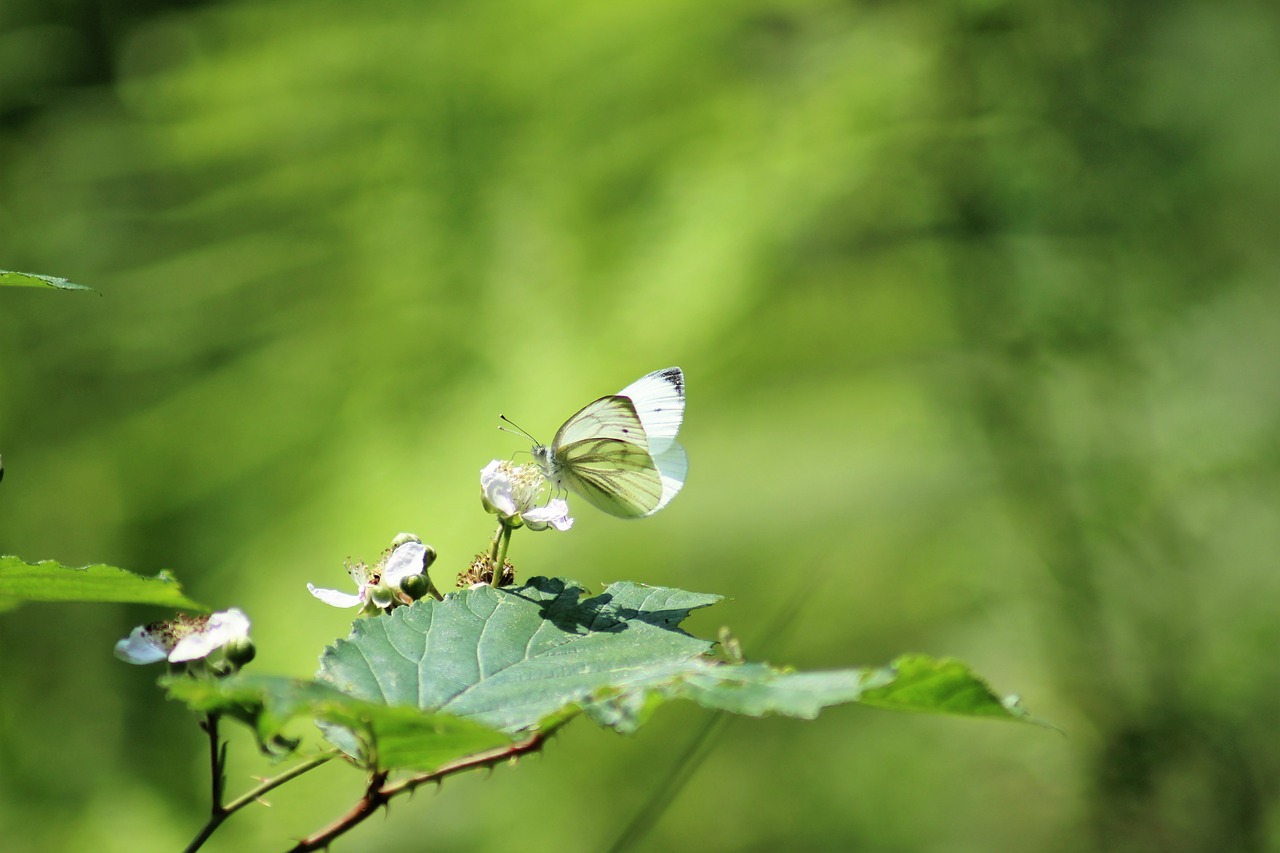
x=978, y=306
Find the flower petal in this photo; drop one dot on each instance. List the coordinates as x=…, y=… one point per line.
x=335, y=597
x=407, y=559
x=140, y=647
x=495, y=484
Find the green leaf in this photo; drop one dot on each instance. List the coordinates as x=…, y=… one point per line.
x=911, y=683
x=382, y=736
x=513, y=656
x=49, y=580
x=31, y=279
x=510, y=657
x=947, y=686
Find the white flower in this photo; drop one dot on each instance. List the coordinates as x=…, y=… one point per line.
x=379, y=587
x=184, y=638
x=514, y=491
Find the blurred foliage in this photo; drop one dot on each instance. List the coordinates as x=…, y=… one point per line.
x=977, y=306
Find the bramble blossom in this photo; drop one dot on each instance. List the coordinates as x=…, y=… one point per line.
x=381, y=587
x=513, y=491
x=184, y=638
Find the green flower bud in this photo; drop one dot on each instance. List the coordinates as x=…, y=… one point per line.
x=415, y=586
x=240, y=652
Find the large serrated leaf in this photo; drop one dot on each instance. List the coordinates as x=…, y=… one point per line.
x=382, y=736
x=31, y=279
x=510, y=657
x=49, y=580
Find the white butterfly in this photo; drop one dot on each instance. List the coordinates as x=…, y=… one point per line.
x=620, y=452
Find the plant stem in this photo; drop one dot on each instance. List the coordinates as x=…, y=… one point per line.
x=498, y=554
x=431, y=588
x=217, y=762
x=219, y=813
x=217, y=757
x=378, y=793
x=276, y=781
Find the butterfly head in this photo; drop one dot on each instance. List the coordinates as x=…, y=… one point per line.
x=545, y=459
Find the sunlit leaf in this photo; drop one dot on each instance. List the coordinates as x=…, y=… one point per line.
x=920, y=683
x=49, y=580
x=31, y=279
x=510, y=657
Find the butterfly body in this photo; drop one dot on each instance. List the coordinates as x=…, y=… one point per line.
x=620, y=452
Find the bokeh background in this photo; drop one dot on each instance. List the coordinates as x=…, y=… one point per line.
x=978, y=307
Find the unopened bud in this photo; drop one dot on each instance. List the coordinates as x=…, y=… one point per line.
x=240, y=652
x=415, y=586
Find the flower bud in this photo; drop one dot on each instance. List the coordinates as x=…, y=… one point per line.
x=415, y=586
x=241, y=652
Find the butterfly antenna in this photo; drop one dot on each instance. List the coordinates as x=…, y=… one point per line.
x=517, y=430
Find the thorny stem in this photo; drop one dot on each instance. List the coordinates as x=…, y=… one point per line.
x=379, y=792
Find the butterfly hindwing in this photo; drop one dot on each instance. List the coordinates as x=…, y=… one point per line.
x=617, y=477
x=673, y=466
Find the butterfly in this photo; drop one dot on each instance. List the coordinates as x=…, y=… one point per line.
x=620, y=452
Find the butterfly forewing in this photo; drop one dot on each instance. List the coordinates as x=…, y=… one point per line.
x=658, y=399
x=611, y=417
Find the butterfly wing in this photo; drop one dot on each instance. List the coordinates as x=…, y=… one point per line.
x=673, y=466
x=613, y=417
x=601, y=453
x=620, y=452
x=616, y=477
x=658, y=399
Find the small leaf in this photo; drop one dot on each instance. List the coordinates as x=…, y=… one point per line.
x=31, y=279
x=381, y=736
x=947, y=686
x=49, y=580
